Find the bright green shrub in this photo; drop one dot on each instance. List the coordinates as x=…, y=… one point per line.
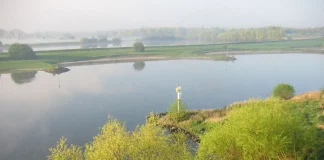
x=65, y=152
x=115, y=142
x=177, y=111
x=261, y=129
x=284, y=91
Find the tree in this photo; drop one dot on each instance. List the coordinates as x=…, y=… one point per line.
x=103, y=40
x=23, y=77
x=21, y=51
x=139, y=65
x=138, y=47
x=116, y=41
x=1, y=43
x=84, y=40
x=262, y=129
x=284, y=91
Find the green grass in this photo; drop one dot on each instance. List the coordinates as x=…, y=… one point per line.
x=8, y=66
x=45, y=59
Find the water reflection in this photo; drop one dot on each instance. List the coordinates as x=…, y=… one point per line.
x=139, y=65
x=23, y=77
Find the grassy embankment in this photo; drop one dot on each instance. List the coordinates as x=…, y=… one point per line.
x=197, y=122
x=46, y=59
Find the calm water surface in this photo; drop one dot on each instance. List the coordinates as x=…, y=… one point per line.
x=38, y=108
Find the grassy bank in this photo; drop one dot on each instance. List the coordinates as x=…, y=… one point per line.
x=46, y=59
x=197, y=122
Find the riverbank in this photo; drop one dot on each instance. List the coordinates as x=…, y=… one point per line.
x=46, y=60
x=197, y=122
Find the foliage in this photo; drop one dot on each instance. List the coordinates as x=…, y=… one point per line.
x=284, y=91
x=21, y=51
x=138, y=47
x=102, y=40
x=86, y=40
x=65, y=152
x=261, y=129
x=116, y=41
x=146, y=142
x=199, y=127
x=322, y=97
x=214, y=34
x=177, y=111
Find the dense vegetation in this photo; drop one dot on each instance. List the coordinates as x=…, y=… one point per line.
x=284, y=91
x=263, y=129
x=212, y=35
x=21, y=51
x=114, y=142
x=204, y=34
x=138, y=47
x=99, y=41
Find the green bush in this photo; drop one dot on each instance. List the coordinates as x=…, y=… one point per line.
x=138, y=47
x=176, y=113
x=21, y=51
x=115, y=142
x=268, y=129
x=283, y=91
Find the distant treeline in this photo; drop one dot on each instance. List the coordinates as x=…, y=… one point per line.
x=114, y=41
x=19, y=34
x=211, y=35
x=271, y=33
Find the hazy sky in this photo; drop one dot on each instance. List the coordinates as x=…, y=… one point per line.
x=94, y=15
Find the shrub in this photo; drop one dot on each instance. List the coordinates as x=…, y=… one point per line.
x=138, y=47
x=115, y=142
x=283, y=91
x=21, y=51
x=269, y=129
x=177, y=111
x=65, y=152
